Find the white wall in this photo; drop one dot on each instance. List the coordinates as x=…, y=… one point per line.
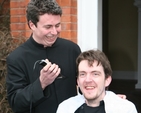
x=89, y=24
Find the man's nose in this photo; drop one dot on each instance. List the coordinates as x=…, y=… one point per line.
x=88, y=78
x=54, y=30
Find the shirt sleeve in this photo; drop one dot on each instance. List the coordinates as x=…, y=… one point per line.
x=19, y=90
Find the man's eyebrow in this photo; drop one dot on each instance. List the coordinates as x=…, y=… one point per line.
x=96, y=71
x=48, y=25
x=81, y=71
x=51, y=24
x=58, y=23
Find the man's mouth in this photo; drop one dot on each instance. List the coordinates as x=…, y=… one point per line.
x=89, y=87
x=51, y=38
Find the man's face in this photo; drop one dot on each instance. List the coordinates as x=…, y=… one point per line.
x=91, y=80
x=47, y=30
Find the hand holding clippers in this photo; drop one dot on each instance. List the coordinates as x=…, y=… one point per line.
x=44, y=63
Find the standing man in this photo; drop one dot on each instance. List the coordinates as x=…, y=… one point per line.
x=94, y=76
x=34, y=88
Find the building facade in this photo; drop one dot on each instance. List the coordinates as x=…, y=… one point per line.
x=113, y=26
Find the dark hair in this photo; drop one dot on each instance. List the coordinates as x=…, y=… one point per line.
x=35, y=8
x=96, y=55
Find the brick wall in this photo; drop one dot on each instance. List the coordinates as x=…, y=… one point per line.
x=69, y=19
x=19, y=25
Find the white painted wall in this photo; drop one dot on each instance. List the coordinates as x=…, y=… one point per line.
x=89, y=24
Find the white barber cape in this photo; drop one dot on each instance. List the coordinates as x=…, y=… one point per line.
x=113, y=104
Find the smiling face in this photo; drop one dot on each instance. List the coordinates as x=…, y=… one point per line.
x=92, y=82
x=47, y=29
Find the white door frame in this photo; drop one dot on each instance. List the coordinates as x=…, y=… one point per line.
x=89, y=24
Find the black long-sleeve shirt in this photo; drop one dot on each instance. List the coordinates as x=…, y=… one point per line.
x=23, y=86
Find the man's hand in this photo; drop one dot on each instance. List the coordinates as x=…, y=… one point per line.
x=48, y=74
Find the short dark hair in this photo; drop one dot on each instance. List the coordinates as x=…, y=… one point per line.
x=35, y=8
x=95, y=55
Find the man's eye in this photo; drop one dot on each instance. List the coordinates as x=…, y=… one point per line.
x=48, y=27
x=57, y=25
x=81, y=74
x=95, y=74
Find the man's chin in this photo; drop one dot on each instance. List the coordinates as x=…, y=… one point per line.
x=50, y=43
x=89, y=96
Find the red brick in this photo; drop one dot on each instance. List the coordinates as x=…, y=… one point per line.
x=74, y=11
x=66, y=3
x=17, y=26
x=58, y=1
x=74, y=40
x=17, y=4
x=74, y=18
x=66, y=11
x=66, y=18
x=66, y=34
x=73, y=26
x=66, y=26
x=18, y=19
x=27, y=27
x=73, y=34
x=17, y=34
x=28, y=34
x=74, y=3
x=17, y=11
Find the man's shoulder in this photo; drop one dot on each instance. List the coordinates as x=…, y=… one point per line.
x=115, y=98
x=15, y=52
x=70, y=105
x=19, y=51
x=112, y=100
x=69, y=45
x=67, y=41
x=76, y=99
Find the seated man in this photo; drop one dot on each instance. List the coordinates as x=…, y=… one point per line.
x=94, y=76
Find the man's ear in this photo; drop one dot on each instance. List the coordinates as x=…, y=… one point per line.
x=31, y=25
x=108, y=81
